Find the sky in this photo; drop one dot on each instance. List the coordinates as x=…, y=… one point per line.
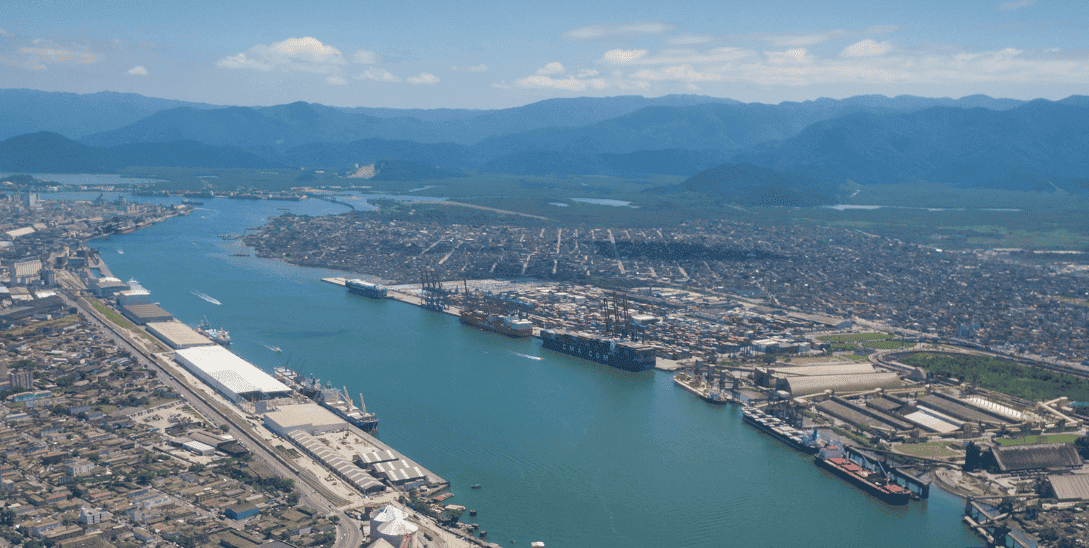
x=490, y=54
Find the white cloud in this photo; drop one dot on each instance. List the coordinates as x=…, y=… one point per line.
x=866, y=48
x=678, y=73
x=801, y=40
x=37, y=58
x=4, y=33
x=541, y=81
x=619, y=30
x=378, y=75
x=305, y=54
x=675, y=56
x=691, y=39
x=365, y=57
x=137, y=71
x=336, y=80
x=1014, y=6
x=623, y=56
x=551, y=68
x=478, y=68
x=799, y=56
x=425, y=78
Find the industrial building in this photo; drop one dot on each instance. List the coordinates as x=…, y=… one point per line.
x=141, y=314
x=177, y=335
x=804, y=386
x=306, y=417
x=230, y=375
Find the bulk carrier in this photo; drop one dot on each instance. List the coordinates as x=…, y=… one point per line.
x=330, y=398
x=618, y=353
x=806, y=442
x=367, y=289
x=871, y=480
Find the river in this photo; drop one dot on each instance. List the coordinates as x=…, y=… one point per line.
x=568, y=452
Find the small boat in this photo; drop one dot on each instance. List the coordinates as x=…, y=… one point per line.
x=120, y=252
x=476, y=486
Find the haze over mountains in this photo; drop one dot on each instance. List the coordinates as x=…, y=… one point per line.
x=810, y=148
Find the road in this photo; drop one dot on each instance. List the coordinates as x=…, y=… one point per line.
x=349, y=534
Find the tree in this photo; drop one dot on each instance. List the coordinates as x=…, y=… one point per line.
x=292, y=499
x=224, y=428
x=1082, y=445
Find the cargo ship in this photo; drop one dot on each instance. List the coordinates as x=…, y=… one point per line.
x=626, y=355
x=874, y=482
x=511, y=326
x=806, y=442
x=330, y=398
x=710, y=395
x=218, y=336
x=367, y=289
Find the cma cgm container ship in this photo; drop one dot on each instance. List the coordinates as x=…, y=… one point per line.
x=367, y=289
x=627, y=355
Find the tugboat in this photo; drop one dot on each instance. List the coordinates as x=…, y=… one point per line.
x=219, y=336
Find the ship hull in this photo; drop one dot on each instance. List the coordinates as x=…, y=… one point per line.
x=875, y=490
x=597, y=350
x=495, y=327
x=699, y=394
x=807, y=449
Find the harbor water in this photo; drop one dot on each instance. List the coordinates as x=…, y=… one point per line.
x=568, y=452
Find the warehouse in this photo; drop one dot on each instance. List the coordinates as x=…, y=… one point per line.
x=230, y=375
x=804, y=386
x=141, y=314
x=307, y=417
x=177, y=335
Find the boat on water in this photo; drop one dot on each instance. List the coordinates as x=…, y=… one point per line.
x=869, y=477
x=476, y=486
x=367, y=289
x=618, y=353
x=709, y=394
x=511, y=326
x=219, y=336
x=330, y=398
x=805, y=441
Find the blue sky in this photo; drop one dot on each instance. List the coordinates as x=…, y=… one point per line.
x=492, y=54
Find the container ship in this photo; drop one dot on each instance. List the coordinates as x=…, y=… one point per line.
x=511, y=326
x=367, y=289
x=626, y=355
x=874, y=482
x=337, y=401
x=806, y=442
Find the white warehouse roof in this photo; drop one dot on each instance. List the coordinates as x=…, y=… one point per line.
x=229, y=373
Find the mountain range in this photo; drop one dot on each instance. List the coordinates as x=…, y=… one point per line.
x=813, y=147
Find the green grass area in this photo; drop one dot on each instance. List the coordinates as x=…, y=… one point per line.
x=854, y=357
x=1002, y=376
x=854, y=337
x=888, y=345
x=116, y=318
x=935, y=450
x=1031, y=440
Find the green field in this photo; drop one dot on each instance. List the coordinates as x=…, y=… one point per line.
x=888, y=345
x=936, y=450
x=854, y=337
x=1002, y=375
x=1031, y=440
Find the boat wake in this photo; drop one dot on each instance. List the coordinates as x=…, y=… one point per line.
x=205, y=297
x=538, y=358
x=272, y=348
